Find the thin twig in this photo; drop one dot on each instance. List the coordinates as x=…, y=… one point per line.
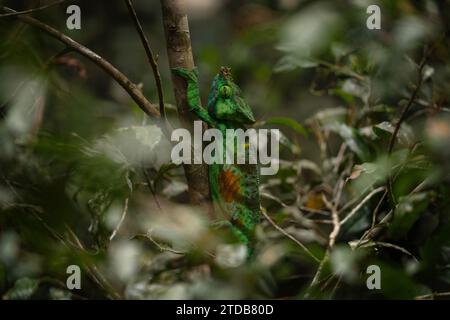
x=150, y=56
x=410, y=102
x=271, y=197
x=339, y=158
x=363, y=202
x=79, y=246
x=132, y=89
x=433, y=295
x=338, y=193
x=338, y=282
x=341, y=70
x=376, y=229
x=336, y=224
x=151, y=188
x=403, y=114
x=374, y=218
x=331, y=241
x=393, y=246
x=372, y=233
x=422, y=185
x=156, y=243
x=35, y=211
x=264, y=213
x=352, y=202
x=122, y=218
x=18, y=13
x=388, y=245
x=93, y=271
x=377, y=208
x=68, y=243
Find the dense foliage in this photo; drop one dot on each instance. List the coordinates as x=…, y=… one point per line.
x=86, y=179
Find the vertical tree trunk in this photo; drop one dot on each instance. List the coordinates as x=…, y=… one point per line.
x=179, y=51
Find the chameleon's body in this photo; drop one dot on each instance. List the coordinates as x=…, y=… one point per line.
x=234, y=187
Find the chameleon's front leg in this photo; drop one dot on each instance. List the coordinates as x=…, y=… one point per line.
x=193, y=94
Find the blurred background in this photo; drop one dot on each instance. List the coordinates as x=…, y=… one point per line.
x=86, y=178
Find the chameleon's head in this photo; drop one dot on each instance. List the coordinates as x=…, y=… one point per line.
x=226, y=102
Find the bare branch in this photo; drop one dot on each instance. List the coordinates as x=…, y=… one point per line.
x=179, y=51
x=150, y=56
x=432, y=296
x=19, y=13
x=390, y=245
x=359, y=206
x=264, y=213
x=122, y=218
x=336, y=224
x=331, y=241
x=131, y=88
x=93, y=271
x=377, y=208
x=411, y=100
x=162, y=248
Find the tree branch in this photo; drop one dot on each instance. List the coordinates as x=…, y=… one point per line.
x=18, y=13
x=301, y=245
x=410, y=102
x=404, y=112
x=179, y=52
x=131, y=88
x=122, y=218
x=150, y=56
x=331, y=241
x=363, y=202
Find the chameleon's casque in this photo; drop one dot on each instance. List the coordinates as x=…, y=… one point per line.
x=234, y=187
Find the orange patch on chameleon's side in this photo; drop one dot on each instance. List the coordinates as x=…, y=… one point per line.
x=229, y=186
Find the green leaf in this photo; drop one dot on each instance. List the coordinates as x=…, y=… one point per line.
x=407, y=212
x=353, y=140
x=347, y=97
x=286, y=142
x=330, y=116
x=383, y=130
x=290, y=63
x=288, y=122
x=23, y=289
x=355, y=89
x=382, y=108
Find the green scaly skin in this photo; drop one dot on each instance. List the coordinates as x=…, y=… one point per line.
x=234, y=188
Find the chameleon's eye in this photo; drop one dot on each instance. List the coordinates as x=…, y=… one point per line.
x=225, y=91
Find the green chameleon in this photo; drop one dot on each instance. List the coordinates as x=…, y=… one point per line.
x=234, y=187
